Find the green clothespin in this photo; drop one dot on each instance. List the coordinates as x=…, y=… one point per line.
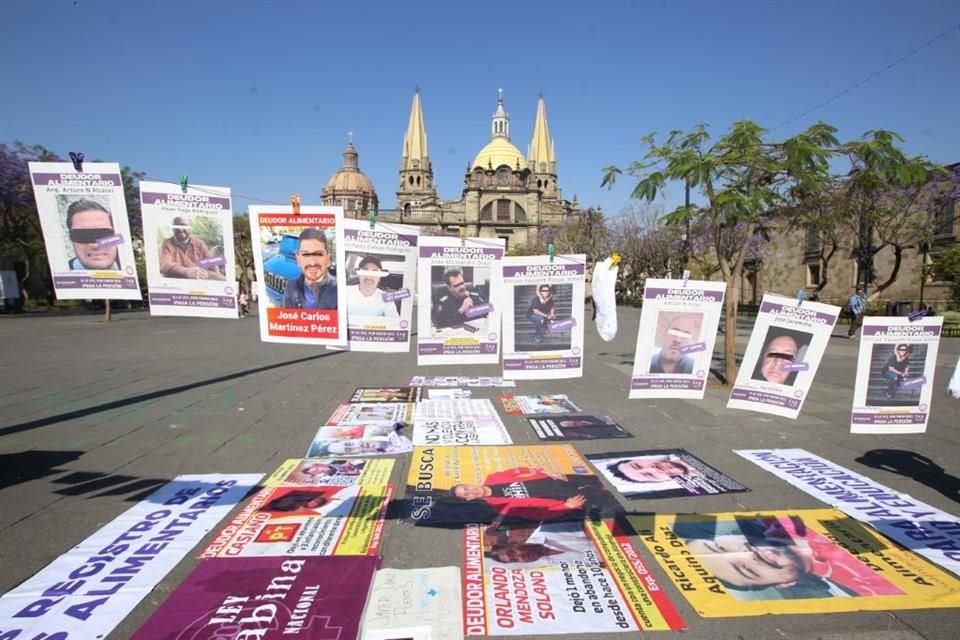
x=551, y=250
x=183, y=183
x=372, y=216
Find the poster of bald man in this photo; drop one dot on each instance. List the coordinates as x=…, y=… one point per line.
x=678, y=326
x=188, y=246
x=83, y=215
x=782, y=356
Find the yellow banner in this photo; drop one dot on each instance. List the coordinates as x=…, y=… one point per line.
x=800, y=561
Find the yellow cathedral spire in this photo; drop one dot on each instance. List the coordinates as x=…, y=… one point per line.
x=415, y=152
x=540, y=156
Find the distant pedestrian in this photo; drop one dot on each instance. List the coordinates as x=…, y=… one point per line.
x=242, y=303
x=858, y=306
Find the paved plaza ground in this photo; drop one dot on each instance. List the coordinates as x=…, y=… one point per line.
x=95, y=416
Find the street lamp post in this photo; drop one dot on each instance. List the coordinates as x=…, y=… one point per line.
x=924, y=249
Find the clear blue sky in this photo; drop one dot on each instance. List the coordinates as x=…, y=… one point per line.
x=259, y=96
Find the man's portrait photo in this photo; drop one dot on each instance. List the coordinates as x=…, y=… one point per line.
x=460, y=298
x=538, y=312
x=781, y=349
x=315, y=286
x=192, y=249
x=89, y=228
x=675, y=332
x=369, y=276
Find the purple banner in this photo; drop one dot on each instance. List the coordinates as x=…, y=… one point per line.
x=679, y=293
x=749, y=395
x=88, y=282
x=110, y=241
x=901, y=331
x=478, y=311
x=658, y=383
x=393, y=296
x=315, y=597
x=77, y=179
x=797, y=311
x=377, y=335
x=561, y=325
x=516, y=364
x=439, y=349
x=380, y=237
x=187, y=201
x=889, y=418
x=465, y=252
x=217, y=261
x=572, y=269
x=188, y=300
x=693, y=348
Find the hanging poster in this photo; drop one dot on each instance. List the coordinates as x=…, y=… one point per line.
x=391, y=394
x=678, y=327
x=578, y=428
x=372, y=439
x=381, y=267
x=307, y=520
x=543, y=404
x=662, y=473
x=300, y=276
x=355, y=413
x=895, y=374
x=916, y=525
x=543, y=331
x=458, y=423
x=88, y=590
x=449, y=485
x=460, y=381
x=803, y=561
x=558, y=578
x=266, y=598
x=188, y=247
x=460, y=300
x=321, y=472
x=782, y=356
x=83, y=216
x=419, y=604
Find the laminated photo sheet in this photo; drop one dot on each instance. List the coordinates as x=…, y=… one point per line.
x=188, y=247
x=301, y=290
x=419, y=604
x=895, y=370
x=678, y=328
x=460, y=381
x=662, y=473
x=460, y=300
x=782, y=356
x=449, y=394
x=579, y=427
x=387, y=394
x=538, y=405
x=372, y=439
x=83, y=216
x=354, y=413
x=458, y=423
x=330, y=472
x=543, y=321
x=381, y=271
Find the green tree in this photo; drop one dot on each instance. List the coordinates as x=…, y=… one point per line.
x=947, y=267
x=745, y=181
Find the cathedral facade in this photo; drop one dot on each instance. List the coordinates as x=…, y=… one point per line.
x=506, y=194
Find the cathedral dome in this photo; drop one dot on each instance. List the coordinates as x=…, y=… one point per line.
x=349, y=187
x=349, y=180
x=499, y=151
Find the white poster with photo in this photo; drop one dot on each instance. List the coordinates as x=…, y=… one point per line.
x=86, y=231
x=188, y=246
x=458, y=422
x=301, y=282
x=543, y=331
x=895, y=374
x=678, y=327
x=381, y=271
x=460, y=300
x=783, y=354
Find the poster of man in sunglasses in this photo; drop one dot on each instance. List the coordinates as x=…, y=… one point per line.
x=782, y=356
x=83, y=215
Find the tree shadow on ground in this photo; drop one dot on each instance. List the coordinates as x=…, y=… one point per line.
x=915, y=466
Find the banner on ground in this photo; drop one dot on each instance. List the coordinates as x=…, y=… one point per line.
x=662, y=473
x=357, y=413
x=543, y=404
x=188, y=247
x=448, y=485
x=804, y=561
x=87, y=591
x=268, y=598
x=322, y=472
x=782, y=356
x=895, y=374
x=543, y=327
x=387, y=394
x=926, y=530
x=678, y=326
x=381, y=267
x=415, y=604
x=578, y=428
x=301, y=282
x=458, y=423
x=460, y=381
x=309, y=520
x=558, y=577
x=83, y=216
x=460, y=300
x=371, y=438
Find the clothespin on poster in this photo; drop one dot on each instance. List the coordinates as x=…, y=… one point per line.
x=463, y=236
x=686, y=276
x=77, y=160
x=551, y=251
x=801, y=296
x=614, y=259
x=916, y=314
x=183, y=183
x=295, y=203
x=372, y=216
